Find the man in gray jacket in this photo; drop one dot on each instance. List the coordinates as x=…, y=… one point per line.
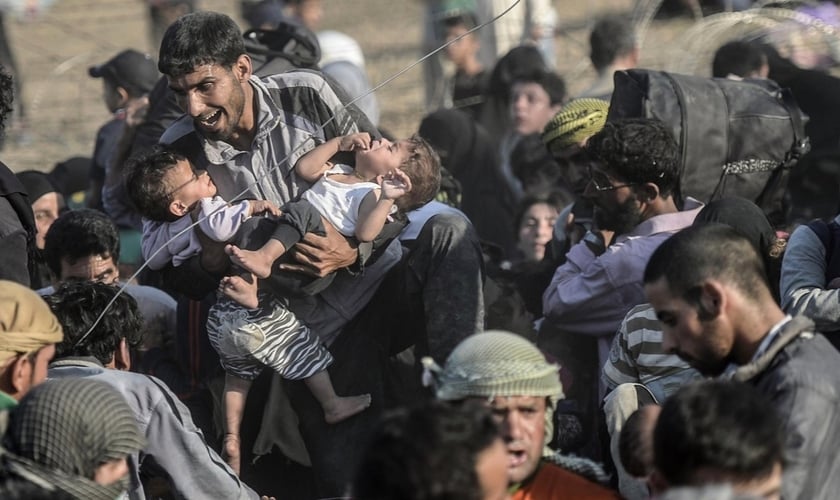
x=99, y=348
x=709, y=289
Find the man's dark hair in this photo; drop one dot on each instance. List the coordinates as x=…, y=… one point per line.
x=7, y=96
x=709, y=251
x=77, y=305
x=611, y=38
x=638, y=150
x=718, y=426
x=200, y=38
x=551, y=82
x=78, y=234
x=428, y=452
x=145, y=185
x=740, y=58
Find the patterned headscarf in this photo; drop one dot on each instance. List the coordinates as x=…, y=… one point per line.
x=26, y=321
x=498, y=363
x=577, y=121
x=63, y=430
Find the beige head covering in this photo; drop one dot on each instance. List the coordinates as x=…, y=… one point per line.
x=577, y=121
x=26, y=321
x=498, y=363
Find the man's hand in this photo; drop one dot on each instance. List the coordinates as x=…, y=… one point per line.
x=394, y=184
x=321, y=255
x=259, y=207
x=355, y=142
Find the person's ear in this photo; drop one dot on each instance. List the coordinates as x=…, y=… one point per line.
x=712, y=298
x=122, y=356
x=178, y=208
x=20, y=372
x=648, y=192
x=242, y=68
x=124, y=95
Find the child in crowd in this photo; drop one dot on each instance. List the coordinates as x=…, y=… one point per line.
x=168, y=192
x=470, y=78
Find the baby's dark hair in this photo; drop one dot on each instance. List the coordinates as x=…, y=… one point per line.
x=145, y=184
x=423, y=168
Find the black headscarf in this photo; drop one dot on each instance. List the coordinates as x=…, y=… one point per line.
x=467, y=153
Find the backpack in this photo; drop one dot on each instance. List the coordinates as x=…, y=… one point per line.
x=735, y=138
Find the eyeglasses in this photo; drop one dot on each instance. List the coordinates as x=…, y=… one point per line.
x=601, y=182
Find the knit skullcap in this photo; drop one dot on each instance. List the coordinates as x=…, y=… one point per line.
x=577, y=121
x=26, y=321
x=73, y=425
x=497, y=363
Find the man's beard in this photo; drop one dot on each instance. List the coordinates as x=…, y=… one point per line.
x=621, y=220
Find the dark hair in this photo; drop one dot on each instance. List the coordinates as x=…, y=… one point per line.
x=145, y=182
x=635, y=444
x=751, y=222
x=556, y=199
x=423, y=168
x=78, y=234
x=740, y=58
x=466, y=19
x=638, y=150
x=200, y=38
x=7, y=96
x=428, y=452
x=77, y=305
x=550, y=81
x=520, y=59
x=709, y=251
x=719, y=426
x=611, y=38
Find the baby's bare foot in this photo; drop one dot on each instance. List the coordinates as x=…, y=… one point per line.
x=231, y=452
x=240, y=290
x=251, y=260
x=345, y=407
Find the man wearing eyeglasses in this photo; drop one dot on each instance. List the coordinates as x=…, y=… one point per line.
x=632, y=186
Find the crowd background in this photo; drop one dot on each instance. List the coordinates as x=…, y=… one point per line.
x=64, y=105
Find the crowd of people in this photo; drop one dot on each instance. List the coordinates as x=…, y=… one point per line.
x=266, y=295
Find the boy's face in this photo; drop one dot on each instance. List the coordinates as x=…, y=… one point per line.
x=382, y=157
x=187, y=187
x=461, y=51
x=531, y=107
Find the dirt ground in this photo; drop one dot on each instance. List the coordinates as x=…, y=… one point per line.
x=65, y=108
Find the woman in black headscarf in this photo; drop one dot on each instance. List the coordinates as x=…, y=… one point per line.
x=745, y=217
x=468, y=154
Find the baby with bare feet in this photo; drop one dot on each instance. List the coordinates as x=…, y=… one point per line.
x=171, y=195
x=356, y=201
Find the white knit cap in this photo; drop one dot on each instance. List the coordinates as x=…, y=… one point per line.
x=496, y=363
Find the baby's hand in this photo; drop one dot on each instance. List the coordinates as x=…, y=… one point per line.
x=353, y=142
x=395, y=184
x=262, y=207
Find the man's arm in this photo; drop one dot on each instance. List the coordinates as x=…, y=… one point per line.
x=176, y=444
x=588, y=294
x=13, y=245
x=803, y=286
x=321, y=255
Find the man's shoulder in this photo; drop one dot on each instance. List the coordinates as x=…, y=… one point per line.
x=293, y=78
x=809, y=362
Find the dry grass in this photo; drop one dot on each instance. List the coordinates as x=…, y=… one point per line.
x=65, y=105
